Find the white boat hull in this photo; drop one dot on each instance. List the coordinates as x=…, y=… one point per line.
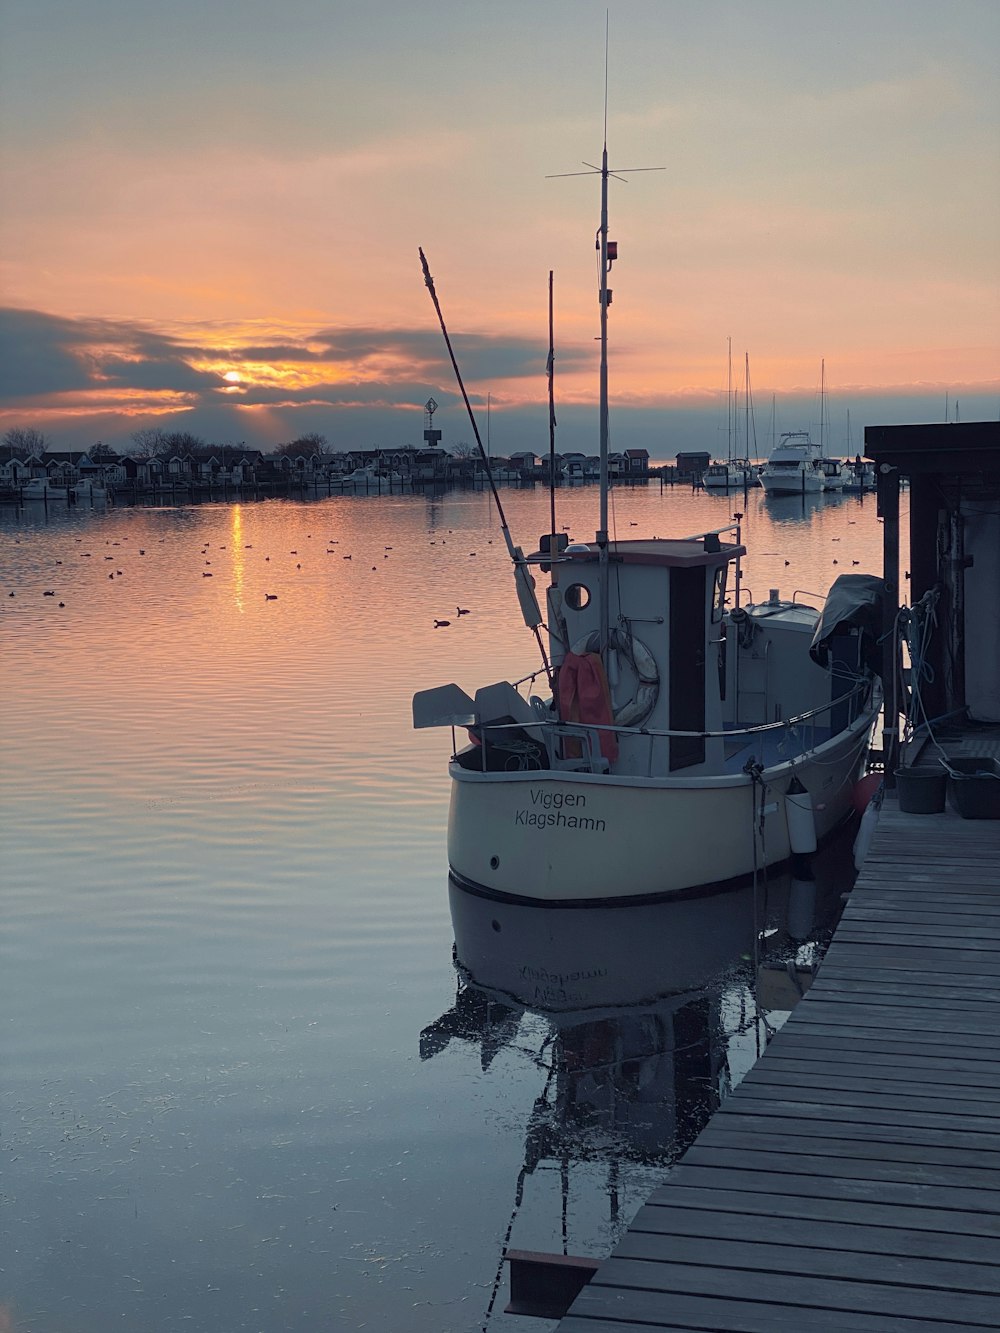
x=556, y=837
x=43, y=491
x=799, y=483
x=730, y=480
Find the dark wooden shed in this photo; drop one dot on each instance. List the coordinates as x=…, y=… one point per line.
x=952, y=471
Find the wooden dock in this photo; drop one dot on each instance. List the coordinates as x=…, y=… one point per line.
x=852, y=1180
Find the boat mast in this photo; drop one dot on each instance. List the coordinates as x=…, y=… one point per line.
x=552, y=423
x=605, y=297
x=607, y=254
x=822, y=404
x=729, y=405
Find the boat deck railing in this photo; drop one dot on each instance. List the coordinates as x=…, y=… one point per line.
x=576, y=746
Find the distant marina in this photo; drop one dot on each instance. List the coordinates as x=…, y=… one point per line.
x=103, y=476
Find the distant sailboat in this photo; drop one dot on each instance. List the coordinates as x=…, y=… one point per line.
x=733, y=472
x=833, y=469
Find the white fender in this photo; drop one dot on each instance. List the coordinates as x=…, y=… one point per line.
x=799, y=814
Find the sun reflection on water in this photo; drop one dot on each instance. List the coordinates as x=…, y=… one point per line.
x=239, y=559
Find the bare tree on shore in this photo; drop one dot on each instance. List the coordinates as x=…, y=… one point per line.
x=311, y=445
x=25, y=441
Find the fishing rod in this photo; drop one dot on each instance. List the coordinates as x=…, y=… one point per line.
x=524, y=582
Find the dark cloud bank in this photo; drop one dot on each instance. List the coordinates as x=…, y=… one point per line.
x=372, y=394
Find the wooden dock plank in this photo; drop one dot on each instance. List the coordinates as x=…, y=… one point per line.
x=608, y=1310
x=959, y=984
x=981, y=1212
x=909, y=991
x=821, y=1232
x=763, y=1135
x=923, y=1174
x=906, y=934
x=970, y=1022
x=795, y=1256
x=830, y=1127
x=873, y=906
x=865, y=1025
x=892, y=956
x=789, y=1075
x=750, y=1195
x=832, y=1052
x=807, y=1292
x=934, y=925
x=792, y=1065
x=964, y=1115
x=852, y=1180
x=866, y=1113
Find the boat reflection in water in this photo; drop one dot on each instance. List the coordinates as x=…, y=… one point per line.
x=641, y=1019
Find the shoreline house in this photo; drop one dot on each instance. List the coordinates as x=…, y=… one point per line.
x=524, y=462
x=14, y=471
x=692, y=464
x=636, y=462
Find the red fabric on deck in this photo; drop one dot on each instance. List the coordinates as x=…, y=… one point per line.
x=584, y=696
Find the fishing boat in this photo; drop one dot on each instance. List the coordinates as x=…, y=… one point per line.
x=672, y=740
x=794, y=466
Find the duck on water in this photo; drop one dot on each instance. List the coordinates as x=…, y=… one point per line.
x=672, y=739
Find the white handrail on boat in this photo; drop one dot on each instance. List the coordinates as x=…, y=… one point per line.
x=758, y=728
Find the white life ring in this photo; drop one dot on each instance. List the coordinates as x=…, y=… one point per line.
x=634, y=711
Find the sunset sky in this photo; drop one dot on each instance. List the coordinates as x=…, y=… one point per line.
x=210, y=213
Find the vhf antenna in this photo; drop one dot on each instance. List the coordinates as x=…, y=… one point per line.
x=608, y=253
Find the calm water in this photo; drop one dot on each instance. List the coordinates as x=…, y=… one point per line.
x=244, y=1086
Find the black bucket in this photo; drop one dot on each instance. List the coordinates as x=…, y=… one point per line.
x=921, y=790
x=974, y=787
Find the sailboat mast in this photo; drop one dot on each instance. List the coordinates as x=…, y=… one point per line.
x=822, y=403
x=729, y=405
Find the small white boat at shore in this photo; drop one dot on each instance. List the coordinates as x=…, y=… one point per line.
x=833, y=474
x=860, y=476
x=728, y=476
x=41, y=488
x=372, y=478
x=89, y=489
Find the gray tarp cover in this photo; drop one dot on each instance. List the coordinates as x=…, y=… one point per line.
x=855, y=602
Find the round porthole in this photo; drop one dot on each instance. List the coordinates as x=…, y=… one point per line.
x=577, y=596
x=494, y=862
